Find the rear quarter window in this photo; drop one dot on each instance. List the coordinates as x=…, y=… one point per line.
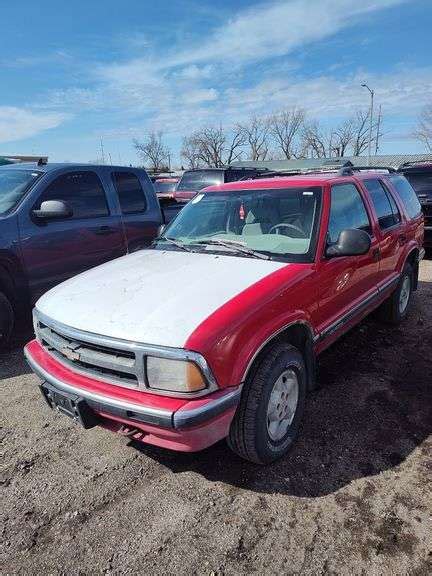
x=407, y=194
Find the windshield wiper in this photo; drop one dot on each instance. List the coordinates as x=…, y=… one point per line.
x=173, y=242
x=234, y=245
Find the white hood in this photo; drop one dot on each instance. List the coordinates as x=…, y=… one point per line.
x=152, y=296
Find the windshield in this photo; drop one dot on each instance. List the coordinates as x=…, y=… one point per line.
x=199, y=179
x=280, y=223
x=13, y=186
x=164, y=187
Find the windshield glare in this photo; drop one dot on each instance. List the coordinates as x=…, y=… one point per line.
x=13, y=185
x=199, y=179
x=277, y=222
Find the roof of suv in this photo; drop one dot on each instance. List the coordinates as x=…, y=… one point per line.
x=58, y=165
x=315, y=179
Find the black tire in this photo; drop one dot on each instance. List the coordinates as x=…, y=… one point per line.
x=390, y=311
x=249, y=435
x=7, y=320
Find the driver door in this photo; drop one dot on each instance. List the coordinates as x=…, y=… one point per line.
x=55, y=250
x=347, y=284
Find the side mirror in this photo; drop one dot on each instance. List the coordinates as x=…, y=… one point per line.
x=351, y=242
x=161, y=229
x=53, y=209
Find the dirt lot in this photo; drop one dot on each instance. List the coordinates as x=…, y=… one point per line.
x=353, y=497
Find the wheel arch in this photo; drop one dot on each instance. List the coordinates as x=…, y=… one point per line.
x=413, y=259
x=299, y=334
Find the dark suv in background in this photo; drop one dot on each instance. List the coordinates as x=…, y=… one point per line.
x=195, y=180
x=419, y=176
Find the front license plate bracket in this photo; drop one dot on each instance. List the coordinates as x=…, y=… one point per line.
x=70, y=405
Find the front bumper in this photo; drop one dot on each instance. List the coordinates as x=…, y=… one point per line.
x=186, y=425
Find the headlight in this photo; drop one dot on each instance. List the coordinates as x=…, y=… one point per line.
x=174, y=375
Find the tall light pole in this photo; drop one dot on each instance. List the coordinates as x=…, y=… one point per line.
x=370, y=121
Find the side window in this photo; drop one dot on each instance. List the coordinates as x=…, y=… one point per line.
x=347, y=211
x=407, y=195
x=130, y=192
x=82, y=191
x=384, y=204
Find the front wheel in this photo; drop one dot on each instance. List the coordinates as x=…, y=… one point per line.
x=396, y=307
x=271, y=407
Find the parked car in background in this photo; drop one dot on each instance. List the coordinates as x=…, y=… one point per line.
x=165, y=187
x=215, y=330
x=419, y=176
x=195, y=180
x=57, y=220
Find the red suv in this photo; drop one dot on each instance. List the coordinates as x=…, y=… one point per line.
x=214, y=331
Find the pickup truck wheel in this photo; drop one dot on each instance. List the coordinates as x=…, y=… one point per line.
x=396, y=307
x=6, y=320
x=268, y=417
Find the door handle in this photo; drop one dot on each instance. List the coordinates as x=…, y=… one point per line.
x=402, y=239
x=376, y=254
x=103, y=230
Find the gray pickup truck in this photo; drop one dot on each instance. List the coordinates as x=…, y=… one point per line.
x=57, y=220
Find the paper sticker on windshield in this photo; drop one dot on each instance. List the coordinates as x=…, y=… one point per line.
x=307, y=193
x=197, y=198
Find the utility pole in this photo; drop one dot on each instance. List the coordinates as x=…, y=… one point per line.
x=102, y=151
x=370, y=121
x=378, y=131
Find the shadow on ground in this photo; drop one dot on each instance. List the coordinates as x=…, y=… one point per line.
x=12, y=362
x=374, y=407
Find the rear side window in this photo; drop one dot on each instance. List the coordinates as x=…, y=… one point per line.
x=82, y=191
x=384, y=204
x=347, y=211
x=130, y=192
x=407, y=195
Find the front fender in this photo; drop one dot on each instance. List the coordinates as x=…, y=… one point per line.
x=232, y=336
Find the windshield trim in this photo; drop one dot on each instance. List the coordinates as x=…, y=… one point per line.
x=306, y=258
x=26, y=189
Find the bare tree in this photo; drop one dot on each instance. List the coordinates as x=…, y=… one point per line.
x=361, y=136
x=212, y=147
x=361, y=131
x=285, y=129
x=423, y=131
x=153, y=151
x=256, y=134
x=190, y=151
x=315, y=142
x=342, y=138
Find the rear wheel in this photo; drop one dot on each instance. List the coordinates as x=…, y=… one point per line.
x=271, y=407
x=396, y=307
x=6, y=320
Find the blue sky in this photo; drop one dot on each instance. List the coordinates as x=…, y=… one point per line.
x=72, y=72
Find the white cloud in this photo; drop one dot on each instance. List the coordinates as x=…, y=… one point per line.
x=20, y=123
x=277, y=28
x=264, y=31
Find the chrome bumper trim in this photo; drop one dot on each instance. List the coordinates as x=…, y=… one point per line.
x=183, y=418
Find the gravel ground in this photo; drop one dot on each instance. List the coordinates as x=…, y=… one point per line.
x=353, y=497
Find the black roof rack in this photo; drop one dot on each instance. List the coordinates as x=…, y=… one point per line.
x=416, y=164
x=372, y=168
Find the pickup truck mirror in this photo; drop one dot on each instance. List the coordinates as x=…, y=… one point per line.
x=52, y=209
x=351, y=242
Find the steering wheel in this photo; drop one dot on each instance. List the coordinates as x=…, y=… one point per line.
x=286, y=225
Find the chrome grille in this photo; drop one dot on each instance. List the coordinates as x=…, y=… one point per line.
x=112, y=360
x=98, y=361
